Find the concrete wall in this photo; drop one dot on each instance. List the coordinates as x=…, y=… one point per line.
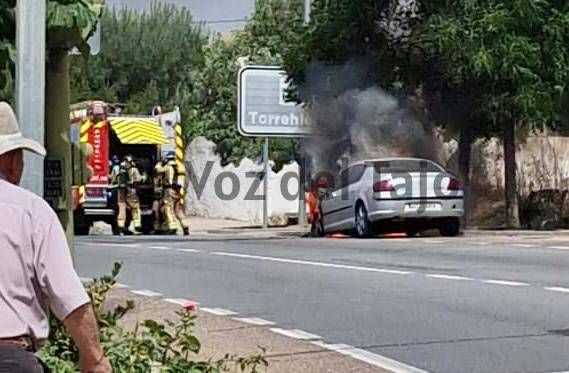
x=201, y=156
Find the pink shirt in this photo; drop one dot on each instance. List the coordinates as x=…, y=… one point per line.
x=36, y=271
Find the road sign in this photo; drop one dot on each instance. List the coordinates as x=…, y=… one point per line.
x=263, y=107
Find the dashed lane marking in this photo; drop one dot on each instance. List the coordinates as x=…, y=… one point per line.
x=558, y=247
x=254, y=321
x=118, y=244
x=85, y=280
x=506, y=283
x=118, y=285
x=434, y=241
x=480, y=243
x=315, y=264
x=370, y=358
x=526, y=245
x=448, y=277
x=146, y=293
x=188, y=250
x=297, y=334
x=219, y=311
x=159, y=248
x=558, y=289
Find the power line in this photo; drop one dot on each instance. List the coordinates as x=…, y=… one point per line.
x=217, y=21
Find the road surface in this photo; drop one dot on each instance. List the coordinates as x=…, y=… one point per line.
x=436, y=304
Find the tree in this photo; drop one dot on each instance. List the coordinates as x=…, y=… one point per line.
x=517, y=71
x=274, y=28
x=70, y=24
x=146, y=59
x=7, y=50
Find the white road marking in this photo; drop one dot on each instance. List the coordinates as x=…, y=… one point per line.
x=558, y=289
x=188, y=250
x=506, y=283
x=297, y=334
x=523, y=245
x=118, y=285
x=370, y=358
x=558, y=247
x=146, y=293
x=315, y=264
x=254, y=321
x=434, y=241
x=480, y=243
x=159, y=248
x=447, y=277
x=180, y=301
x=85, y=280
x=117, y=244
x=218, y=311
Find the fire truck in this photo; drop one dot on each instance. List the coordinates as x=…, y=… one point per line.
x=99, y=134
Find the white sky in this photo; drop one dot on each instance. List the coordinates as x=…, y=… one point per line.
x=206, y=10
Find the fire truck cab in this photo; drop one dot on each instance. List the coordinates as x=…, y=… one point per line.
x=99, y=134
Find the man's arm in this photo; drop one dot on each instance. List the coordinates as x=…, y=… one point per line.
x=82, y=326
x=64, y=291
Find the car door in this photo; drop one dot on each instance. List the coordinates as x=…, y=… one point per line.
x=337, y=208
x=331, y=204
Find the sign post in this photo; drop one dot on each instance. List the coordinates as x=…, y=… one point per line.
x=265, y=111
x=266, y=183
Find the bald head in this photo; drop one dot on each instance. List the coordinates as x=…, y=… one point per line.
x=12, y=166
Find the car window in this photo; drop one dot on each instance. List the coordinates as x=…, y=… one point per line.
x=350, y=176
x=406, y=165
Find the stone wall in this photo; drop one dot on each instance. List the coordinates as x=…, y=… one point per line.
x=542, y=163
x=233, y=192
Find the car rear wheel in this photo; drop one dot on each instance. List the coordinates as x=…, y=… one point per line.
x=450, y=227
x=363, y=225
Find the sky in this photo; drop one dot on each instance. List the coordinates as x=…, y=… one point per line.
x=221, y=15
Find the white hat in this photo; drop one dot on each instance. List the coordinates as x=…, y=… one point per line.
x=10, y=136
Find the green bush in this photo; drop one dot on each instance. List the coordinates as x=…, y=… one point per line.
x=151, y=346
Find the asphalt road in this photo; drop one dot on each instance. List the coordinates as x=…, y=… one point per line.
x=440, y=305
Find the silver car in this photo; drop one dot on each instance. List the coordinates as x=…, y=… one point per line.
x=393, y=194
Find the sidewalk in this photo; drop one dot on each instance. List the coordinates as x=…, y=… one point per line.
x=221, y=335
x=230, y=227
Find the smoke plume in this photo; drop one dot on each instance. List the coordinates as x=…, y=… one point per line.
x=355, y=119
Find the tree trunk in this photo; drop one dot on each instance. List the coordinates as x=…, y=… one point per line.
x=511, y=189
x=464, y=157
x=57, y=125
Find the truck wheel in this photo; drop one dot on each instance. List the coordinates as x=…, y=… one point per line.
x=81, y=224
x=147, y=224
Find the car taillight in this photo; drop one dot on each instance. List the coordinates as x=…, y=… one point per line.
x=383, y=186
x=453, y=184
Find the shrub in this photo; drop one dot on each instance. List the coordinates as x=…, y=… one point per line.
x=152, y=346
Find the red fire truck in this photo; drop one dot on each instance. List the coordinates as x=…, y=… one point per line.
x=100, y=133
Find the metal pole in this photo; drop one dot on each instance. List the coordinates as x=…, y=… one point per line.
x=30, y=83
x=301, y=191
x=307, y=11
x=266, y=184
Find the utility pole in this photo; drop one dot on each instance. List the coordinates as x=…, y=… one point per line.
x=307, y=11
x=301, y=166
x=30, y=83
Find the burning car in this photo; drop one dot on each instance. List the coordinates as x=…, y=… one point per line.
x=391, y=194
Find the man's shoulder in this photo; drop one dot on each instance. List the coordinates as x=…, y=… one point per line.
x=25, y=200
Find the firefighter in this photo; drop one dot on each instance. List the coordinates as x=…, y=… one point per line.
x=173, y=202
x=158, y=187
x=128, y=180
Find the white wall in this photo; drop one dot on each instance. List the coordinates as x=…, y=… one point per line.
x=210, y=204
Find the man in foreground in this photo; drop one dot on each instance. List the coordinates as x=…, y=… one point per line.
x=36, y=271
